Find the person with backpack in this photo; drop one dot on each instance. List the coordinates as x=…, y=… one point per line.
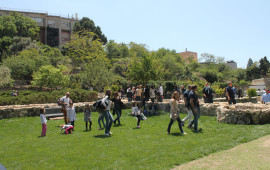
x=117, y=107
x=108, y=117
x=64, y=102
x=207, y=94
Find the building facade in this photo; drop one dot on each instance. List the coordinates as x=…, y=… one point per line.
x=188, y=55
x=55, y=31
x=232, y=64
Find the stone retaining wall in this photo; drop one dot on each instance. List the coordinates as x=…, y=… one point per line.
x=241, y=113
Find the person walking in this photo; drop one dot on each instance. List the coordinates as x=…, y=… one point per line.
x=129, y=94
x=194, y=106
x=230, y=93
x=64, y=101
x=117, y=107
x=108, y=117
x=152, y=93
x=187, y=105
x=160, y=93
x=43, y=122
x=207, y=94
x=174, y=113
x=87, y=117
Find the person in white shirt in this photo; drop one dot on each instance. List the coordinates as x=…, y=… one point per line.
x=65, y=105
x=152, y=93
x=137, y=112
x=160, y=93
x=43, y=122
x=71, y=114
x=108, y=116
x=266, y=97
x=68, y=128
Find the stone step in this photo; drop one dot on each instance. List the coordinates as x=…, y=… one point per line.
x=54, y=115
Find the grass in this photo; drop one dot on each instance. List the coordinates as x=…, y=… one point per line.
x=128, y=147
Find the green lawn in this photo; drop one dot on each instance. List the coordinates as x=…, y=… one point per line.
x=128, y=148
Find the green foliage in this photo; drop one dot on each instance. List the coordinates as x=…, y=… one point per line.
x=250, y=63
x=264, y=66
x=210, y=76
x=50, y=77
x=252, y=92
x=96, y=75
x=143, y=69
x=86, y=24
x=15, y=25
x=82, y=48
x=115, y=50
x=34, y=97
x=113, y=88
x=253, y=72
x=5, y=78
x=210, y=58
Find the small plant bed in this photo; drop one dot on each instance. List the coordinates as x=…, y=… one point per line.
x=148, y=147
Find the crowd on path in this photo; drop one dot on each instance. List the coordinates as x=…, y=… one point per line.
x=141, y=106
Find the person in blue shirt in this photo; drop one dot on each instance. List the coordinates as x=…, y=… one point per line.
x=207, y=94
x=230, y=93
x=266, y=97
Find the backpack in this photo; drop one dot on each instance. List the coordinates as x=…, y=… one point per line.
x=58, y=101
x=100, y=105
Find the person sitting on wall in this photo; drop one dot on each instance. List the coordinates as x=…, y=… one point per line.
x=266, y=97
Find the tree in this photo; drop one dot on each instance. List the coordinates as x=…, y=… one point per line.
x=51, y=77
x=137, y=50
x=97, y=75
x=143, y=69
x=86, y=24
x=210, y=77
x=82, y=48
x=210, y=58
x=115, y=50
x=250, y=63
x=5, y=78
x=264, y=66
x=253, y=72
x=15, y=25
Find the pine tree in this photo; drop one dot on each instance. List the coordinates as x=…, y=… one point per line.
x=250, y=63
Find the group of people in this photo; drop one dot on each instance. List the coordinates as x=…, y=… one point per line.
x=148, y=92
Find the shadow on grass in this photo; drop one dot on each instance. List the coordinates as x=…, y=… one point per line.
x=136, y=128
x=176, y=134
x=102, y=136
x=117, y=125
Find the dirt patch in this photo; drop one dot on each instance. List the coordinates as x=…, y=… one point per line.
x=252, y=155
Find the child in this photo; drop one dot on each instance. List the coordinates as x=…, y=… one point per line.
x=43, y=122
x=87, y=116
x=68, y=128
x=137, y=112
x=71, y=114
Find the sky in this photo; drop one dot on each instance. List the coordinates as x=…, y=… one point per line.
x=234, y=29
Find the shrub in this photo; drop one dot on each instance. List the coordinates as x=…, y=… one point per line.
x=34, y=97
x=251, y=92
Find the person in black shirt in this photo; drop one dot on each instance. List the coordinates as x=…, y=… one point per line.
x=117, y=107
x=187, y=105
x=129, y=94
x=230, y=93
x=182, y=89
x=147, y=93
x=194, y=106
x=207, y=94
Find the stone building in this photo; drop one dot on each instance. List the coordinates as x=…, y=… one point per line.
x=55, y=31
x=260, y=84
x=187, y=55
x=232, y=64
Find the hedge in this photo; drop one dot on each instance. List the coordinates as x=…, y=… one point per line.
x=35, y=97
